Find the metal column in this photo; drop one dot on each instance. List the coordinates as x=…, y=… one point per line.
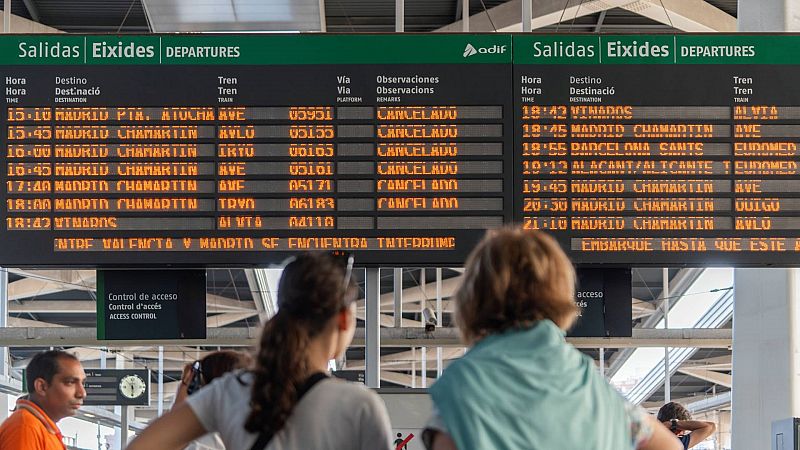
x=160, y=380
x=398, y=297
x=438, y=319
x=665, y=295
x=465, y=16
x=7, y=16
x=413, y=367
x=399, y=16
x=323, y=23
x=424, y=367
x=527, y=15
x=4, y=355
x=121, y=411
x=372, y=324
x=602, y=362
x=124, y=426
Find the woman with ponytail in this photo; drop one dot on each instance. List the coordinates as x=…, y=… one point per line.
x=287, y=401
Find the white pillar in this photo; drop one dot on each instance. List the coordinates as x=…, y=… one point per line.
x=602, y=362
x=439, y=314
x=399, y=16
x=372, y=324
x=119, y=363
x=7, y=16
x=424, y=367
x=768, y=15
x=527, y=14
x=398, y=297
x=5, y=359
x=765, y=353
x=413, y=367
x=765, y=342
x=724, y=431
x=665, y=296
x=160, y=380
x=125, y=425
x=6, y=401
x=465, y=16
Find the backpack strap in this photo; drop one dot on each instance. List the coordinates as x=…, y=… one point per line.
x=266, y=436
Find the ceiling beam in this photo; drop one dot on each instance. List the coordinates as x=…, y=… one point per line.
x=388, y=320
x=642, y=308
x=600, y=20
x=19, y=322
x=89, y=354
x=685, y=15
x=219, y=303
x=58, y=336
x=258, y=298
x=220, y=320
x=653, y=407
x=711, y=376
x=80, y=277
x=402, y=360
x=673, y=337
x=174, y=366
x=404, y=379
x=724, y=363
x=448, y=306
x=33, y=287
x=32, y=10
x=416, y=294
x=393, y=337
x=717, y=402
x=507, y=16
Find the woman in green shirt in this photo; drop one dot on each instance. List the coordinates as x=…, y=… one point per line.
x=521, y=386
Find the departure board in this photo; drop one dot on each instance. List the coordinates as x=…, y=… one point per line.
x=241, y=150
x=244, y=149
x=660, y=149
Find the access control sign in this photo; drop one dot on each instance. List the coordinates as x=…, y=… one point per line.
x=149, y=304
x=604, y=299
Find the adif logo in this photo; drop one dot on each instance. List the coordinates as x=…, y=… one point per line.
x=470, y=50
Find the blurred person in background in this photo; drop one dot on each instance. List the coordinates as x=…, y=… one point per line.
x=55, y=390
x=521, y=385
x=201, y=373
x=679, y=421
x=287, y=401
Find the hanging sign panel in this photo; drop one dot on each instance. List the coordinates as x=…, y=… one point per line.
x=241, y=150
x=660, y=150
x=151, y=304
x=604, y=298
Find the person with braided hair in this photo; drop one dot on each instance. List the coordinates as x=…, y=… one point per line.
x=287, y=401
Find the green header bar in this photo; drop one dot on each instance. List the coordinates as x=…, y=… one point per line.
x=255, y=49
x=433, y=48
x=657, y=49
x=742, y=49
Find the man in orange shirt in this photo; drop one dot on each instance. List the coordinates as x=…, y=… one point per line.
x=55, y=390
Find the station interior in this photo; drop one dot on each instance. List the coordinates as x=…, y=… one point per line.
x=682, y=345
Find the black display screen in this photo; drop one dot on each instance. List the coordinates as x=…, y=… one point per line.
x=404, y=149
x=243, y=164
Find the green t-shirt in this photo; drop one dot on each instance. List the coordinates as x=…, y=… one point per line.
x=529, y=389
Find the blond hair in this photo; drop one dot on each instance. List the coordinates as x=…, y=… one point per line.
x=514, y=278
